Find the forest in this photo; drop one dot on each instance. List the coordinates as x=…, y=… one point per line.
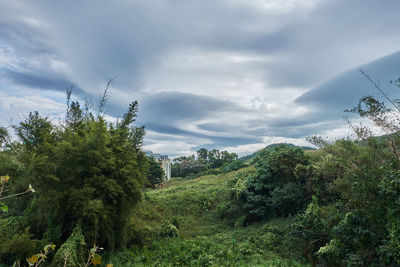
x=82, y=192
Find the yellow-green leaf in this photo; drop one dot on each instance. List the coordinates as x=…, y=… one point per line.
x=53, y=247
x=32, y=260
x=3, y=207
x=5, y=178
x=96, y=259
x=93, y=251
x=110, y=265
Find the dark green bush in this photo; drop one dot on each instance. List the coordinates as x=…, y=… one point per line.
x=16, y=242
x=234, y=165
x=309, y=230
x=275, y=189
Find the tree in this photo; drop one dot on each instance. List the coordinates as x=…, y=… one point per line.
x=156, y=174
x=358, y=182
x=187, y=165
x=206, y=160
x=3, y=136
x=202, y=154
x=275, y=190
x=87, y=172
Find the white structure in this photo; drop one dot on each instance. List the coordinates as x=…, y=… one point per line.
x=164, y=161
x=166, y=166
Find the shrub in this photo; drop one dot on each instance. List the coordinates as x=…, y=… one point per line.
x=234, y=165
x=274, y=190
x=309, y=230
x=73, y=252
x=168, y=230
x=16, y=242
x=156, y=174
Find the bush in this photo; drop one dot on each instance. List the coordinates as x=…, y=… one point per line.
x=168, y=230
x=309, y=230
x=156, y=174
x=16, y=242
x=234, y=165
x=232, y=209
x=72, y=252
x=275, y=189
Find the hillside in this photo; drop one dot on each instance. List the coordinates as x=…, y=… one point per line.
x=271, y=147
x=204, y=239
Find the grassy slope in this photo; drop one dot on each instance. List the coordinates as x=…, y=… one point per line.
x=204, y=239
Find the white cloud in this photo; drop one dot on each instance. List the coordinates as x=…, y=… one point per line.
x=283, y=6
x=243, y=150
x=14, y=108
x=253, y=57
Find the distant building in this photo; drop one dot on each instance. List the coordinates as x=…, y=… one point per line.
x=166, y=166
x=164, y=161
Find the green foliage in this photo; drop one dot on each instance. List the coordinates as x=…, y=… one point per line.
x=253, y=158
x=199, y=252
x=259, y=245
x=353, y=243
x=274, y=190
x=391, y=189
x=4, y=136
x=234, y=166
x=185, y=166
x=91, y=173
x=39, y=258
x=87, y=172
x=194, y=207
x=142, y=235
x=156, y=173
x=35, y=132
x=207, y=162
x=358, y=182
x=350, y=228
x=310, y=230
x=16, y=242
x=73, y=251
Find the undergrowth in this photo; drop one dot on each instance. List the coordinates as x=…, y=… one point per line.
x=181, y=225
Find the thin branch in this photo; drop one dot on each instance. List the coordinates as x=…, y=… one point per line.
x=1, y=189
x=378, y=88
x=18, y=194
x=104, y=97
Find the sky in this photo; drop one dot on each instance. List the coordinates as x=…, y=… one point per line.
x=225, y=74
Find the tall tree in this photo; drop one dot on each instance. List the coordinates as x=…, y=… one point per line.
x=87, y=172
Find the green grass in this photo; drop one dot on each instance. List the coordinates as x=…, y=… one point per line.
x=204, y=238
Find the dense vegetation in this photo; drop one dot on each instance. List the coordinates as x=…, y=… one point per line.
x=206, y=162
x=86, y=182
x=155, y=175
x=181, y=225
x=87, y=173
x=276, y=187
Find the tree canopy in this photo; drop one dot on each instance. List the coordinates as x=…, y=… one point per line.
x=87, y=172
x=205, y=160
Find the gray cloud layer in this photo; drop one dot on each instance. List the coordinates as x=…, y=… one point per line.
x=214, y=73
x=343, y=92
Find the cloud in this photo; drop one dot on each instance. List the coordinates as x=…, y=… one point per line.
x=211, y=73
x=176, y=106
x=343, y=92
x=14, y=107
x=35, y=81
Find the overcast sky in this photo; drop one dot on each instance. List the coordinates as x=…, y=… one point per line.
x=226, y=74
